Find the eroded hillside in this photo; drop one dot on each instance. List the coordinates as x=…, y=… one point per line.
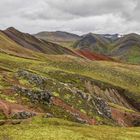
x=70, y=88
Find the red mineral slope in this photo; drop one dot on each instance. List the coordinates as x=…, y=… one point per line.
x=94, y=56
x=124, y=118
x=9, y=108
x=76, y=113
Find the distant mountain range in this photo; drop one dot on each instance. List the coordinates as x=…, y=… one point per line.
x=121, y=47
x=91, y=46
x=26, y=45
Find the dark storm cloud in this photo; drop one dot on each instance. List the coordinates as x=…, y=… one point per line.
x=80, y=16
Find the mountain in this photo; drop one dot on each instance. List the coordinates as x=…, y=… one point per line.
x=93, y=42
x=66, y=38
x=62, y=38
x=121, y=47
x=112, y=37
x=127, y=48
x=43, y=93
x=30, y=42
x=9, y=46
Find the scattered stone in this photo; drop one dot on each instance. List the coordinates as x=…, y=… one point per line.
x=48, y=115
x=23, y=115
x=15, y=122
x=80, y=120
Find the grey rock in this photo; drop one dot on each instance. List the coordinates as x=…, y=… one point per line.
x=102, y=107
x=33, y=78
x=15, y=122
x=48, y=115
x=39, y=96
x=23, y=115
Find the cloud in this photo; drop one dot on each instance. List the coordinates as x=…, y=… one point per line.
x=94, y=7
x=79, y=16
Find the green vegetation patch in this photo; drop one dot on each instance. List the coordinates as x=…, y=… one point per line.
x=57, y=129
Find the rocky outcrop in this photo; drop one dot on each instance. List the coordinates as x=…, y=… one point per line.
x=91, y=97
x=35, y=96
x=110, y=94
x=33, y=78
x=23, y=115
x=102, y=107
x=96, y=104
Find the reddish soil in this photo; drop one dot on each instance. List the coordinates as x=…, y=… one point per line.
x=9, y=108
x=76, y=113
x=94, y=56
x=124, y=118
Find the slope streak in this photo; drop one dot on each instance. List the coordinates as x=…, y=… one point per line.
x=94, y=56
x=30, y=42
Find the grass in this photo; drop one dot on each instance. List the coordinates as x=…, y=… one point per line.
x=7, y=98
x=134, y=56
x=117, y=74
x=121, y=108
x=68, y=69
x=8, y=46
x=131, y=55
x=57, y=129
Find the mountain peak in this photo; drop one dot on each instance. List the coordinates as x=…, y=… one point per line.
x=89, y=34
x=11, y=28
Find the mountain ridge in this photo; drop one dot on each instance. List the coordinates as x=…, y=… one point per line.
x=59, y=37
x=30, y=42
x=123, y=48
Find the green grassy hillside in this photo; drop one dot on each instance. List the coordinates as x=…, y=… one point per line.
x=127, y=48
x=8, y=46
x=93, y=42
x=116, y=74
x=62, y=38
x=84, y=99
x=52, y=129
x=37, y=45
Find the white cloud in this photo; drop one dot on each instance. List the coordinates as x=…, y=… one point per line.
x=80, y=16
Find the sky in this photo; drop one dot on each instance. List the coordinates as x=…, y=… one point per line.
x=76, y=16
